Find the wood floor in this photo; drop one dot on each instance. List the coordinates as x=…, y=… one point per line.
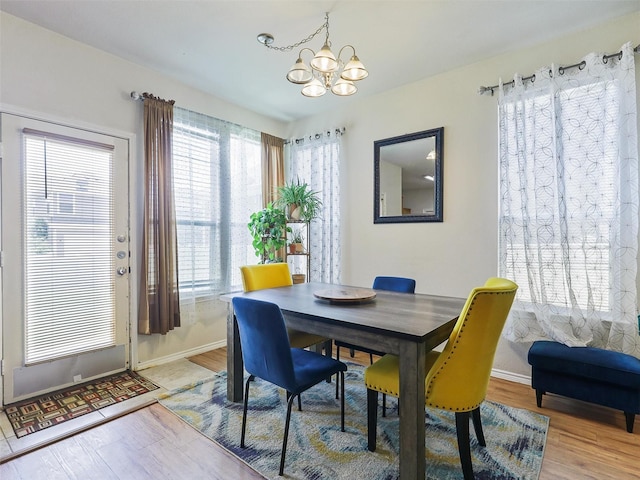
x=584, y=442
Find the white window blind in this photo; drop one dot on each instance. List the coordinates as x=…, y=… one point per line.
x=67, y=241
x=566, y=205
x=569, y=203
x=217, y=185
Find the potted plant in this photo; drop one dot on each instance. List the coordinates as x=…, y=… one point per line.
x=296, y=242
x=269, y=230
x=300, y=202
x=298, y=278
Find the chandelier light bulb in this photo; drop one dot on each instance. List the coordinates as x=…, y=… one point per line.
x=325, y=61
x=344, y=88
x=314, y=88
x=354, y=70
x=299, y=73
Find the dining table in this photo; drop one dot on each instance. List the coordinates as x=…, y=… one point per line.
x=404, y=324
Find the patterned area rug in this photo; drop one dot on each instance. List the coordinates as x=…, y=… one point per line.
x=317, y=449
x=33, y=415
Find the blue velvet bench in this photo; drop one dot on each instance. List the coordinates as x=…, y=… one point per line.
x=590, y=374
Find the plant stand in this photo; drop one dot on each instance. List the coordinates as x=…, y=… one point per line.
x=299, y=260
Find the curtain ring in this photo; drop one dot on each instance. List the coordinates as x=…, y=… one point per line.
x=582, y=65
x=561, y=70
x=328, y=133
x=533, y=79
x=605, y=58
x=318, y=136
x=551, y=73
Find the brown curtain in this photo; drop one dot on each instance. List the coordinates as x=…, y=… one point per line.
x=159, y=299
x=272, y=167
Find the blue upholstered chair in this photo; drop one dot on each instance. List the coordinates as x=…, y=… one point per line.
x=395, y=284
x=457, y=378
x=267, y=354
x=392, y=284
x=272, y=275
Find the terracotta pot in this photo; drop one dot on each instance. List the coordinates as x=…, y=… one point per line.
x=294, y=212
x=298, y=277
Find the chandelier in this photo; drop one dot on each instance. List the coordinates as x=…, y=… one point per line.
x=325, y=71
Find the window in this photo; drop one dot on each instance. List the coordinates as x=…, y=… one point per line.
x=569, y=203
x=217, y=185
x=70, y=306
x=566, y=204
x=316, y=160
x=65, y=203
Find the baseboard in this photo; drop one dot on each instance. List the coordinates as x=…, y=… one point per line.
x=180, y=355
x=503, y=374
x=510, y=376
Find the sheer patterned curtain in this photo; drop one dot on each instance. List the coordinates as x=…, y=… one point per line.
x=159, y=302
x=217, y=182
x=316, y=160
x=569, y=203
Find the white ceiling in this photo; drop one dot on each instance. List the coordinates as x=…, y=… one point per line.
x=211, y=44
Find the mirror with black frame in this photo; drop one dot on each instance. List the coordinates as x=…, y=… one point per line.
x=408, y=178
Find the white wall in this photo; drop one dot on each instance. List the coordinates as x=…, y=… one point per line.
x=446, y=258
x=57, y=78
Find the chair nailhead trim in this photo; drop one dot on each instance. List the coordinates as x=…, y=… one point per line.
x=464, y=323
x=429, y=387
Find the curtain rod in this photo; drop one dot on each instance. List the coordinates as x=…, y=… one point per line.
x=337, y=132
x=605, y=58
x=142, y=96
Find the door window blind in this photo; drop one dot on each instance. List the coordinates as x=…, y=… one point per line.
x=67, y=240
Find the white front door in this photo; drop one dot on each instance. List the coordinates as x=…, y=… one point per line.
x=65, y=251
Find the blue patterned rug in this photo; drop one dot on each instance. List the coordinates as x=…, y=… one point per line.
x=317, y=449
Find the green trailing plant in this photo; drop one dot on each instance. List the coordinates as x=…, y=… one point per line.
x=269, y=230
x=299, y=200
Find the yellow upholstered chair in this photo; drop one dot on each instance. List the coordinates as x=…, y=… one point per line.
x=272, y=275
x=457, y=378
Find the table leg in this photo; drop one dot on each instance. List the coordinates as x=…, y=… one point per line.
x=235, y=366
x=412, y=428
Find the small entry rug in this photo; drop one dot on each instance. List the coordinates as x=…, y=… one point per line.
x=33, y=415
x=317, y=449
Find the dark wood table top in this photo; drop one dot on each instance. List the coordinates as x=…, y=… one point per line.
x=420, y=313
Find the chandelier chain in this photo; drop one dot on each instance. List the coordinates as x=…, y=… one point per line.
x=305, y=40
